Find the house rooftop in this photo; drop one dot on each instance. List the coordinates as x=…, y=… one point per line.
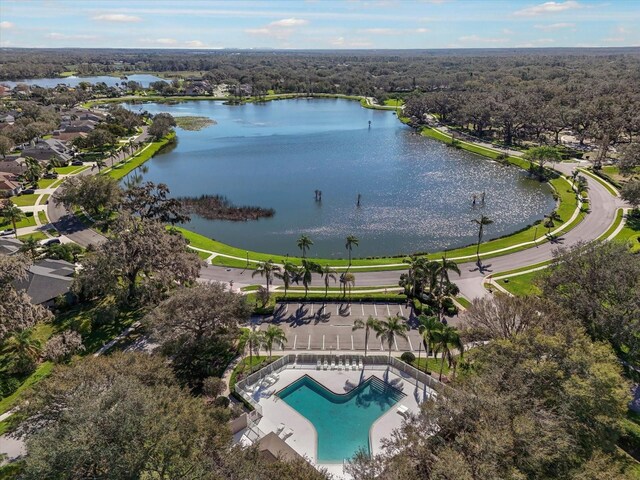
x=47, y=279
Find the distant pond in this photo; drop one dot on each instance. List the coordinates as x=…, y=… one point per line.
x=416, y=192
x=73, y=81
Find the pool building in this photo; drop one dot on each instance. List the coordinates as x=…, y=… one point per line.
x=326, y=408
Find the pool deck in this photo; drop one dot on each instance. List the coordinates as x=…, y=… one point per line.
x=303, y=439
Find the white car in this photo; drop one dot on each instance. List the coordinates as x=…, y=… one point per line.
x=8, y=232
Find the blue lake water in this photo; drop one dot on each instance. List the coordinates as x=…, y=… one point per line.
x=143, y=79
x=342, y=422
x=416, y=192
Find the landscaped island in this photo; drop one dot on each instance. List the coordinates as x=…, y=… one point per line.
x=194, y=123
x=217, y=207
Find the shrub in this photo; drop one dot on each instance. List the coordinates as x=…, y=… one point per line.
x=8, y=385
x=408, y=357
x=222, y=402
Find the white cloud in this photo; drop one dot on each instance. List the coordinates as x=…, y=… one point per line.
x=476, y=39
x=381, y=31
x=555, y=26
x=194, y=44
x=6, y=25
x=279, y=29
x=117, y=17
x=547, y=8
x=64, y=36
x=507, y=31
x=159, y=41
x=422, y=30
x=341, y=42
x=289, y=22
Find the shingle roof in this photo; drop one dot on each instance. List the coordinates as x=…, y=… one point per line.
x=47, y=279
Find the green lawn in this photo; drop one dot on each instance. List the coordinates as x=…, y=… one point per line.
x=46, y=182
x=71, y=169
x=43, y=370
x=522, y=284
x=392, y=102
x=25, y=200
x=124, y=168
x=36, y=235
x=600, y=180
x=432, y=365
x=631, y=232
x=42, y=216
x=27, y=221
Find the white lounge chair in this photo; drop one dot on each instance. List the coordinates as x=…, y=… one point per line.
x=325, y=365
x=333, y=364
x=347, y=363
x=286, y=434
x=402, y=410
x=340, y=365
x=280, y=429
x=318, y=365
x=353, y=364
x=360, y=366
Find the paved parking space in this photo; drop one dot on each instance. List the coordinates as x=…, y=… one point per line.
x=318, y=326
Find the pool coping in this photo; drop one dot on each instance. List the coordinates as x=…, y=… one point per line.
x=371, y=376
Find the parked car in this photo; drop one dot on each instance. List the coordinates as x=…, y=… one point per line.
x=28, y=191
x=50, y=175
x=5, y=233
x=77, y=163
x=50, y=241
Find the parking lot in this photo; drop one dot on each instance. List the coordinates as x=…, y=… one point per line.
x=318, y=326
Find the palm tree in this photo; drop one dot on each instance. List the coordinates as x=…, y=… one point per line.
x=24, y=348
x=254, y=339
x=391, y=328
x=481, y=222
x=370, y=324
x=304, y=244
x=427, y=329
x=30, y=246
x=266, y=269
x=329, y=274
x=13, y=214
x=287, y=275
x=274, y=335
x=445, y=341
x=550, y=220
x=581, y=187
x=349, y=280
x=444, y=268
x=352, y=241
x=100, y=164
x=305, y=274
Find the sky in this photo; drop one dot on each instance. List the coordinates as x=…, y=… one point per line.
x=319, y=24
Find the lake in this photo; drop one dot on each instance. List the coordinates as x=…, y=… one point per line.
x=73, y=81
x=416, y=192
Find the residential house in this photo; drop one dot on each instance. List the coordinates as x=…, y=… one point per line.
x=45, y=150
x=8, y=184
x=12, y=165
x=9, y=246
x=47, y=280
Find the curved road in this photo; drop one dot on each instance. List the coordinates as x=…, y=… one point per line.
x=68, y=224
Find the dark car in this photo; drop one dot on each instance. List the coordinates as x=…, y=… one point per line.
x=50, y=175
x=28, y=191
x=51, y=241
x=77, y=163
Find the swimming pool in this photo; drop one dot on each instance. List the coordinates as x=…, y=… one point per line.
x=342, y=422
